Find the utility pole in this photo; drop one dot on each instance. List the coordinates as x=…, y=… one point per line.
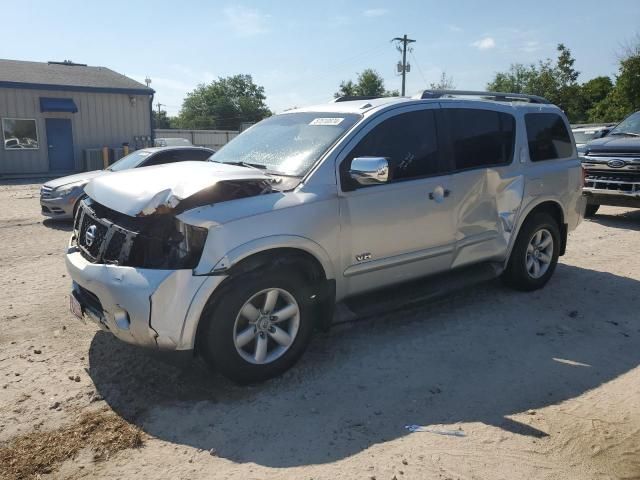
x=159, y=105
x=404, y=68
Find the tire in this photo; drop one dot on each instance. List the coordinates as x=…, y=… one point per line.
x=591, y=210
x=521, y=269
x=223, y=323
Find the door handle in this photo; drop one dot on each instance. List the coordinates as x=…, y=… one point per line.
x=445, y=193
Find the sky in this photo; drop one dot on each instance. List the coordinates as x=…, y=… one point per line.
x=300, y=51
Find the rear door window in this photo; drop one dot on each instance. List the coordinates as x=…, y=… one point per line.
x=480, y=138
x=547, y=136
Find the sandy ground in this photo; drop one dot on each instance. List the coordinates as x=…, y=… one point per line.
x=542, y=385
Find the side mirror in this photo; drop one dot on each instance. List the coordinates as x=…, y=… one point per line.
x=369, y=170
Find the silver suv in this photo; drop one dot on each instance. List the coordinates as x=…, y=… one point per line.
x=241, y=258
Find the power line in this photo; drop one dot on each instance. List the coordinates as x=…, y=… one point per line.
x=405, y=41
x=426, y=84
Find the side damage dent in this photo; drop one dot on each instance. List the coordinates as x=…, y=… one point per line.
x=524, y=213
x=509, y=201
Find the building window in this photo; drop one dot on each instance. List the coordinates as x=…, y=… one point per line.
x=20, y=134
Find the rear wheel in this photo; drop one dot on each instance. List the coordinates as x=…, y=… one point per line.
x=591, y=210
x=535, y=254
x=258, y=325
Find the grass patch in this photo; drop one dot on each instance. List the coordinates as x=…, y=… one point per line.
x=37, y=453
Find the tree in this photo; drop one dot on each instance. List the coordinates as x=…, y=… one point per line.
x=624, y=97
x=445, y=83
x=369, y=83
x=347, y=89
x=161, y=120
x=516, y=80
x=567, y=75
x=224, y=104
x=556, y=81
x=590, y=94
x=596, y=89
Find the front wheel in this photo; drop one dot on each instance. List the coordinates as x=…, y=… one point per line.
x=257, y=326
x=535, y=254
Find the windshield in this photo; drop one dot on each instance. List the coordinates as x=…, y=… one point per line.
x=630, y=125
x=287, y=144
x=584, y=137
x=130, y=161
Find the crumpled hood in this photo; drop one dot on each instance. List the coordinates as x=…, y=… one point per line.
x=86, y=176
x=160, y=189
x=614, y=144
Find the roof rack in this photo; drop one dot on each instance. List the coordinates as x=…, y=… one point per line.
x=349, y=98
x=68, y=63
x=495, y=96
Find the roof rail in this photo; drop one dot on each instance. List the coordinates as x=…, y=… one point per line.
x=349, y=98
x=495, y=96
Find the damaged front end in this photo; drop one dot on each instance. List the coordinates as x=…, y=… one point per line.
x=154, y=238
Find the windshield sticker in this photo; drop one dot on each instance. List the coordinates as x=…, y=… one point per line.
x=326, y=121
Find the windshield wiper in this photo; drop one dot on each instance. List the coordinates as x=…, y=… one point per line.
x=258, y=166
x=255, y=166
x=631, y=134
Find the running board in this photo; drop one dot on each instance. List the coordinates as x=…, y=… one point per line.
x=414, y=293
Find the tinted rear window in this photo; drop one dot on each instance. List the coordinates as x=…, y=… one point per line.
x=548, y=137
x=481, y=138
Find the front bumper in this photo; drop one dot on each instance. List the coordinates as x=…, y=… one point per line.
x=146, y=307
x=612, y=181
x=59, y=208
x=612, y=198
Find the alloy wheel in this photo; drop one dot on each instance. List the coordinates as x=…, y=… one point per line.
x=266, y=326
x=539, y=253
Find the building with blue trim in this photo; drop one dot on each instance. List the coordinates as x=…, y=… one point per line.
x=52, y=114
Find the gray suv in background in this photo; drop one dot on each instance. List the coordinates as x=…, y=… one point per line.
x=241, y=258
x=59, y=198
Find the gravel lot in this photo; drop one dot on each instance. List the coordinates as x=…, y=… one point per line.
x=541, y=385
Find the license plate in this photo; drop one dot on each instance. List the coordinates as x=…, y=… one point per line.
x=75, y=307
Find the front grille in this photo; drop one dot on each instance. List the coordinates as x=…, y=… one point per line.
x=614, y=154
x=46, y=192
x=99, y=239
x=613, y=181
x=106, y=236
x=113, y=250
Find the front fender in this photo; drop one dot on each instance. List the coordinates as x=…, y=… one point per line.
x=271, y=242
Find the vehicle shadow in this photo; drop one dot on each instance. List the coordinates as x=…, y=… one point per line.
x=64, y=225
x=626, y=220
x=479, y=355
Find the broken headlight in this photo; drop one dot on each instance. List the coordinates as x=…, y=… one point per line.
x=187, y=244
